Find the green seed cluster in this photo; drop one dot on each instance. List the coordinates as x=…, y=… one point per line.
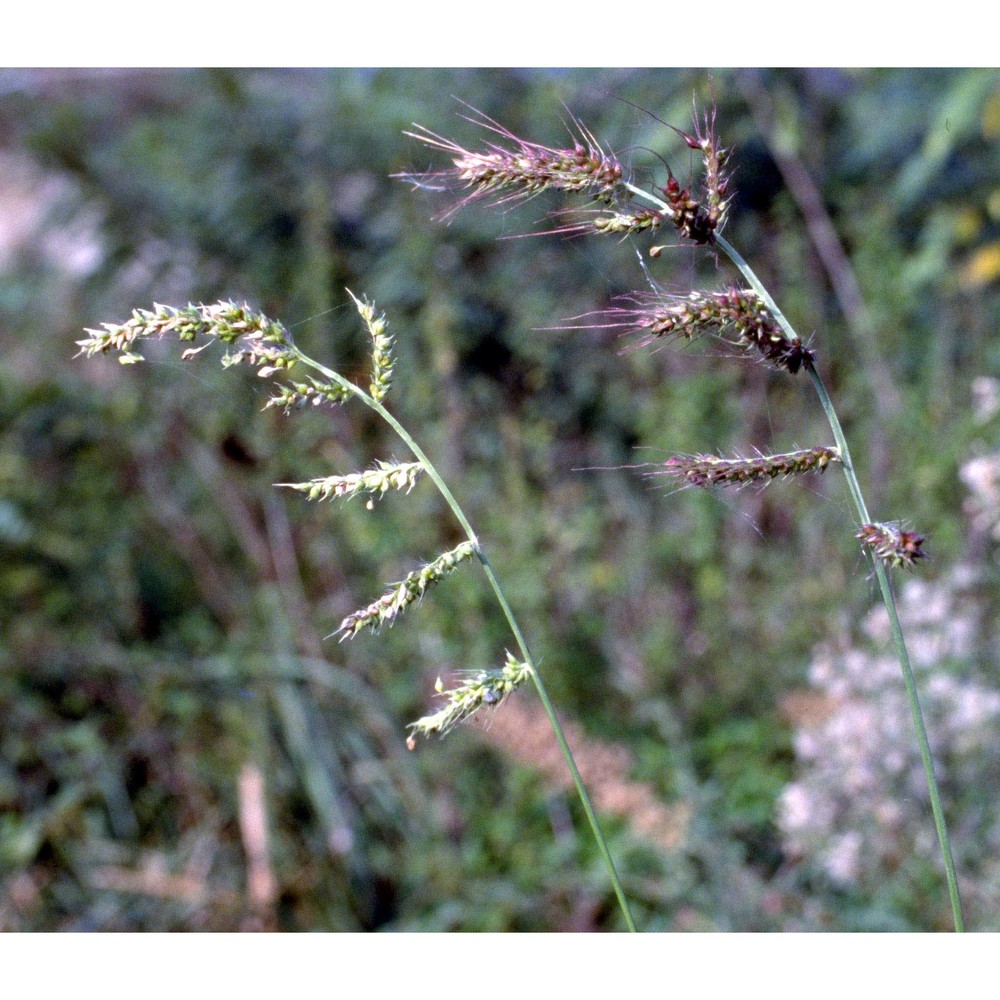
x=388, y=607
x=258, y=339
x=384, y=477
x=486, y=688
x=631, y=223
x=382, y=359
x=313, y=392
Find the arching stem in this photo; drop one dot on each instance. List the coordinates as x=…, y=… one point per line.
x=522, y=645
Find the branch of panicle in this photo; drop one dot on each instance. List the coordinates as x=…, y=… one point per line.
x=517, y=169
x=892, y=545
x=378, y=481
x=486, y=688
x=715, y=159
x=391, y=604
x=258, y=340
x=739, y=311
x=383, y=362
x=713, y=470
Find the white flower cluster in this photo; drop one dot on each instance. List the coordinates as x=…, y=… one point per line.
x=860, y=804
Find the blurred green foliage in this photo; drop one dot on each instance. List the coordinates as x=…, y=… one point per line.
x=162, y=607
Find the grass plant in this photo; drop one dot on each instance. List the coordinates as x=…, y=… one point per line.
x=507, y=170
x=746, y=317
x=251, y=338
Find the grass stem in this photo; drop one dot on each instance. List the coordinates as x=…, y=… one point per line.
x=884, y=586
x=880, y=572
x=515, y=628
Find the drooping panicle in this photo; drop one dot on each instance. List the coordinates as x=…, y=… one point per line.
x=477, y=690
x=516, y=169
x=713, y=470
x=388, y=607
x=378, y=481
x=892, y=545
x=658, y=316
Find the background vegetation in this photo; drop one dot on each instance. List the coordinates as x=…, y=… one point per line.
x=180, y=749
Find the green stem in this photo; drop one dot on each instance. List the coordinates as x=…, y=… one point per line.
x=543, y=695
x=883, y=582
x=880, y=572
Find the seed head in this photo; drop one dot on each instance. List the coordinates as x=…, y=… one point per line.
x=642, y=220
x=517, y=169
x=738, y=310
x=314, y=392
x=714, y=160
x=711, y=470
x=382, y=359
x=404, y=593
x=384, y=477
x=488, y=687
x=688, y=215
x=258, y=340
x=892, y=545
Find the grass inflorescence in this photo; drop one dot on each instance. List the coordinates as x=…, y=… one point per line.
x=503, y=170
x=265, y=344
x=892, y=545
x=714, y=470
x=476, y=690
x=743, y=316
x=401, y=595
